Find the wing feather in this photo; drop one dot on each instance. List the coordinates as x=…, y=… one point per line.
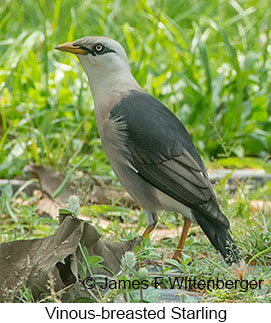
x=163, y=153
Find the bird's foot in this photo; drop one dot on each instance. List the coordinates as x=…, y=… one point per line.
x=240, y=269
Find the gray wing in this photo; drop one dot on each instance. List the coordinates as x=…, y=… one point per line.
x=162, y=151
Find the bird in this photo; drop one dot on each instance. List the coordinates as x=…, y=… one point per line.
x=149, y=149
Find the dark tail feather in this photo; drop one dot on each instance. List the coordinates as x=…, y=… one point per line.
x=219, y=236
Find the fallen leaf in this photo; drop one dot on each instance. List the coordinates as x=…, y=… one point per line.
x=95, y=191
x=33, y=263
x=50, y=181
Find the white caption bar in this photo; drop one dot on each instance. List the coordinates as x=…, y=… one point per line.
x=122, y=312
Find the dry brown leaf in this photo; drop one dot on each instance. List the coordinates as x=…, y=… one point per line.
x=50, y=180
x=33, y=263
x=100, y=193
x=47, y=206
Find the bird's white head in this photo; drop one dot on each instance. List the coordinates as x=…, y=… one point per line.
x=105, y=63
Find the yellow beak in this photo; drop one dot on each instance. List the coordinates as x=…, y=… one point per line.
x=69, y=47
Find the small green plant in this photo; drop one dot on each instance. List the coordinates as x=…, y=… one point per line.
x=73, y=205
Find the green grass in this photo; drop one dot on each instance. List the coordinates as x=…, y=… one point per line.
x=250, y=230
x=208, y=61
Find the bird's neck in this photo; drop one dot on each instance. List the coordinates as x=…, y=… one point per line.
x=108, y=86
x=108, y=90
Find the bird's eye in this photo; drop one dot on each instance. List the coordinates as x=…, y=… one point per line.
x=99, y=48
